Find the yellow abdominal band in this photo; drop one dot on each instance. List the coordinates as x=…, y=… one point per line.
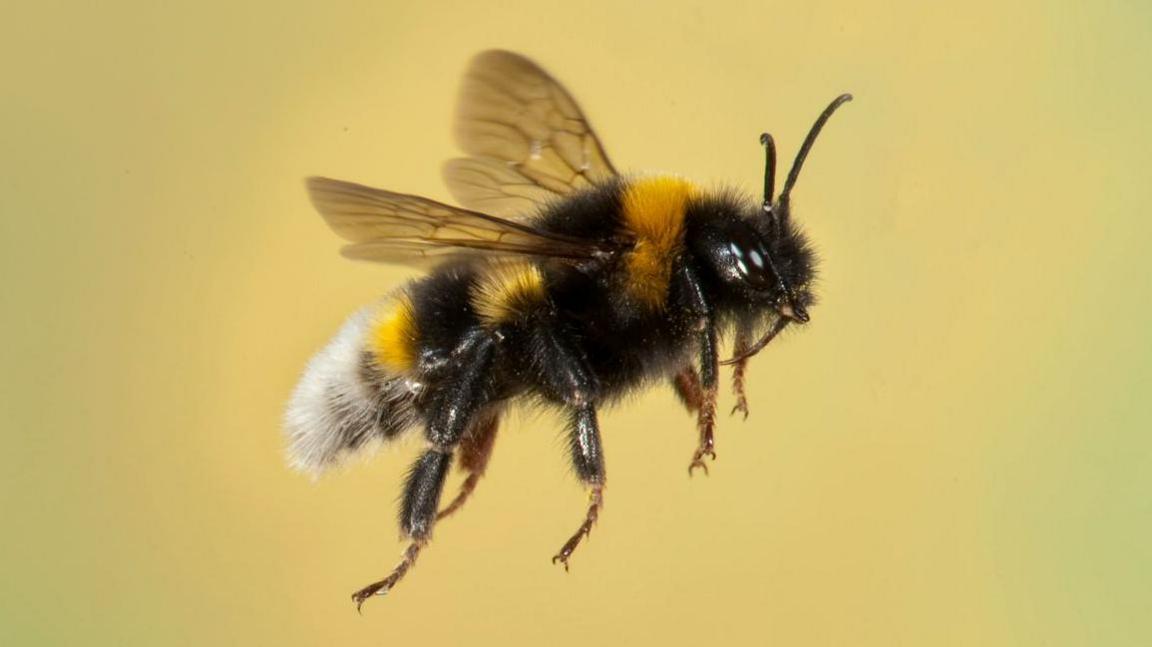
x=507, y=291
x=395, y=336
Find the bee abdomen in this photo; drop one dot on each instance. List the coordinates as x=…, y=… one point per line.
x=345, y=403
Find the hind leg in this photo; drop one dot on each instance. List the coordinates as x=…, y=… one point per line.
x=449, y=411
x=421, y=496
x=475, y=450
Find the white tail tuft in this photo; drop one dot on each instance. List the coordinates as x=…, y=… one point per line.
x=344, y=403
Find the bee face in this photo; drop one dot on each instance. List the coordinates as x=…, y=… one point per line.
x=761, y=259
x=792, y=260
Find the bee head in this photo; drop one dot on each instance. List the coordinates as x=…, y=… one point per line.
x=764, y=255
x=762, y=262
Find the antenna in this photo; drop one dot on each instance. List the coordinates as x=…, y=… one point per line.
x=769, y=145
x=794, y=173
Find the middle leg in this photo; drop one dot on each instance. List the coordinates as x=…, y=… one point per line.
x=564, y=377
x=588, y=459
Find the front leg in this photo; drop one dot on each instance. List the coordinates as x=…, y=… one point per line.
x=706, y=416
x=740, y=370
x=704, y=330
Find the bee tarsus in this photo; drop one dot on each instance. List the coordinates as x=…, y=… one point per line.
x=596, y=502
x=385, y=585
x=706, y=449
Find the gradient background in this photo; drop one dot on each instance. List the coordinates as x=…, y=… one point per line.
x=956, y=451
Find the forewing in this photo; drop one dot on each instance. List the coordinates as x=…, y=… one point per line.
x=527, y=140
x=397, y=228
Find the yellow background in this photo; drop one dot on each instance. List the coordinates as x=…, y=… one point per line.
x=956, y=450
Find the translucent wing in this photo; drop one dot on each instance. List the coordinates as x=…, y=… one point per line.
x=397, y=228
x=527, y=140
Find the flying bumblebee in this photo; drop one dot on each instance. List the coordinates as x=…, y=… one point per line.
x=560, y=282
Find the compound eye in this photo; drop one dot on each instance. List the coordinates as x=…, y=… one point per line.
x=756, y=256
x=750, y=264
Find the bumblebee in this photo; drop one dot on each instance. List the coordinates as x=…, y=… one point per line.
x=560, y=282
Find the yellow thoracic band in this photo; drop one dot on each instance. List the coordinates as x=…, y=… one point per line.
x=654, y=211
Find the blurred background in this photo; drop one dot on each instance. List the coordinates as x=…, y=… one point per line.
x=955, y=451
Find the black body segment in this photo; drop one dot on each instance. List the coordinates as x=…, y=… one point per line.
x=562, y=375
x=450, y=405
x=584, y=444
x=561, y=371
x=422, y=493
